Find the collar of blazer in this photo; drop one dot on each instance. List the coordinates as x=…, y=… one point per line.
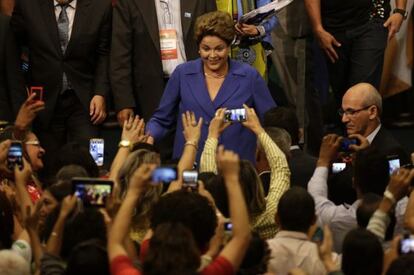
x=194, y=76
x=149, y=15
x=48, y=9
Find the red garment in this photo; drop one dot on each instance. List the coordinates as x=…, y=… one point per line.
x=219, y=266
x=122, y=265
x=33, y=191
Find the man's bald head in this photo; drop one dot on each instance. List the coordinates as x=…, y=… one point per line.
x=362, y=106
x=367, y=93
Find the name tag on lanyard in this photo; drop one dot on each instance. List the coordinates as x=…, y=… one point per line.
x=168, y=43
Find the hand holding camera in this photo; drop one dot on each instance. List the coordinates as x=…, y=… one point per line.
x=329, y=149
x=356, y=142
x=28, y=112
x=252, y=121
x=399, y=182
x=218, y=124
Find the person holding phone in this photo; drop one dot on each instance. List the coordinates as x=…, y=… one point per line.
x=209, y=83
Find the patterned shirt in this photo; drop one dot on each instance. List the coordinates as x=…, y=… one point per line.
x=264, y=223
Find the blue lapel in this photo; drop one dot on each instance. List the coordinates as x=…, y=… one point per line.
x=198, y=87
x=230, y=85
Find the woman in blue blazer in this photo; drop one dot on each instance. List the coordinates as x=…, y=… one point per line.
x=211, y=82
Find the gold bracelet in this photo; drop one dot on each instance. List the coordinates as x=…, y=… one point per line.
x=192, y=144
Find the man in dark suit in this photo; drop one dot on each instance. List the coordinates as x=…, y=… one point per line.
x=139, y=68
x=361, y=114
x=11, y=78
x=301, y=164
x=68, y=43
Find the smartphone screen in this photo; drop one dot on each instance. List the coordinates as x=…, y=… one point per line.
x=96, y=149
x=318, y=235
x=190, y=179
x=164, y=174
x=338, y=167
x=393, y=165
x=235, y=115
x=15, y=155
x=228, y=226
x=92, y=191
x=407, y=245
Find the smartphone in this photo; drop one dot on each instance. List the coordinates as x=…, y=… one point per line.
x=38, y=91
x=338, y=167
x=235, y=115
x=393, y=164
x=228, y=227
x=15, y=155
x=96, y=149
x=190, y=179
x=318, y=235
x=346, y=142
x=93, y=192
x=164, y=174
x=407, y=244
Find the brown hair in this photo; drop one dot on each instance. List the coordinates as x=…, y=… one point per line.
x=216, y=23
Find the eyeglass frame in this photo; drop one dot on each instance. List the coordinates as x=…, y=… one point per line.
x=352, y=112
x=33, y=142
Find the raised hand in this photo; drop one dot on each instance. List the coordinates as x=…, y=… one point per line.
x=28, y=111
x=363, y=143
x=228, y=162
x=329, y=149
x=141, y=178
x=23, y=175
x=134, y=130
x=68, y=205
x=217, y=124
x=400, y=182
x=252, y=121
x=191, y=127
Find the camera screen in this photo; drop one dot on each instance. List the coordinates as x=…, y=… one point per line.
x=164, y=174
x=228, y=226
x=393, y=165
x=92, y=192
x=190, y=176
x=407, y=245
x=96, y=149
x=235, y=115
x=15, y=155
x=338, y=167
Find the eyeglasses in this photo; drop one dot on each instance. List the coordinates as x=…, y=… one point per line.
x=33, y=142
x=351, y=112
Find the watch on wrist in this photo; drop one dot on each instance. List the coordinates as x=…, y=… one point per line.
x=404, y=13
x=125, y=143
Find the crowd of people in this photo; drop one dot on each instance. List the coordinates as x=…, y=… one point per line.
x=211, y=175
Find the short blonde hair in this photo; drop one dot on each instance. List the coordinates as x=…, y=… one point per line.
x=216, y=23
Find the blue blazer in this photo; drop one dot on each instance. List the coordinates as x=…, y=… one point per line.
x=187, y=91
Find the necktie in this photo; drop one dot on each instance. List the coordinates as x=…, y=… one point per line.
x=63, y=28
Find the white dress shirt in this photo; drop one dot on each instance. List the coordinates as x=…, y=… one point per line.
x=340, y=218
x=70, y=10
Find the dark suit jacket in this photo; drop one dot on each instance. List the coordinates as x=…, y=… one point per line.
x=86, y=59
x=301, y=167
x=187, y=91
x=11, y=76
x=340, y=185
x=136, y=68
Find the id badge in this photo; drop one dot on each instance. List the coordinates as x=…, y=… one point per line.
x=168, y=44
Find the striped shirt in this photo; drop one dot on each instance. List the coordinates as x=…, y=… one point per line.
x=263, y=223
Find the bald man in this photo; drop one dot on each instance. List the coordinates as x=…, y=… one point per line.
x=361, y=113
